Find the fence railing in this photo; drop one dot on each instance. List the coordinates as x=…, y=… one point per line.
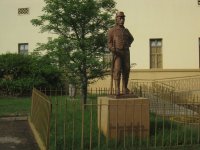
x=163, y=95
x=184, y=83
x=172, y=123
x=76, y=127
x=174, y=118
x=41, y=108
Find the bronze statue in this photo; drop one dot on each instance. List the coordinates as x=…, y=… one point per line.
x=119, y=41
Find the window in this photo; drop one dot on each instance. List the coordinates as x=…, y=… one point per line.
x=155, y=53
x=23, y=11
x=198, y=1
x=23, y=48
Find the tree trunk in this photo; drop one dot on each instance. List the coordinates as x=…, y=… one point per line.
x=84, y=90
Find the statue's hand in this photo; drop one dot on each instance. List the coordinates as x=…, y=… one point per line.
x=115, y=51
x=118, y=52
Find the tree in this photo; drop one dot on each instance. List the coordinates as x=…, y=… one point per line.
x=80, y=26
x=19, y=73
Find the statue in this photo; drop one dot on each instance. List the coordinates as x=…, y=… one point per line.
x=119, y=41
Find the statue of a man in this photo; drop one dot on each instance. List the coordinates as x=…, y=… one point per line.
x=119, y=41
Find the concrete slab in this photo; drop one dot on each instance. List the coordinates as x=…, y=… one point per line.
x=15, y=134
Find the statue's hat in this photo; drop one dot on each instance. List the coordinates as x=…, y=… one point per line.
x=120, y=14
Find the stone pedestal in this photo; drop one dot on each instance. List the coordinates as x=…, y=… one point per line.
x=121, y=117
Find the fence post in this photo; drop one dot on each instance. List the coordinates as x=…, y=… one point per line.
x=82, y=135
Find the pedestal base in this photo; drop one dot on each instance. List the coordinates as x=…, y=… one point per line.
x=122, y=117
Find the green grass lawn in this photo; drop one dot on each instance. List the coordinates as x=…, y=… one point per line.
x=67, y=126
x=13, y=106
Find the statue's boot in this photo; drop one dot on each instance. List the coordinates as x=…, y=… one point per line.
x=125, y=90
x=117, y=87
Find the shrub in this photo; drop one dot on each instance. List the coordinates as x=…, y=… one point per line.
x=19, y=73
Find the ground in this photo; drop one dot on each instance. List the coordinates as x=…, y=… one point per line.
x=15, y=134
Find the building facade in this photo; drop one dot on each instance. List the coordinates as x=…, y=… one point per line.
x=167, y=33
x=17, y=34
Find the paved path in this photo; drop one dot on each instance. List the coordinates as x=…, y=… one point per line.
x=15, y=134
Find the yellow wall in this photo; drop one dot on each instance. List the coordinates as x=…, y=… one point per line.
x=146, y=74
x=175, y=21
x=17, y=28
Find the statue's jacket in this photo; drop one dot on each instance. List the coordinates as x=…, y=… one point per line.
x=119, y=38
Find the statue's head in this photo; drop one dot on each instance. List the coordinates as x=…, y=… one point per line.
x=120, y=18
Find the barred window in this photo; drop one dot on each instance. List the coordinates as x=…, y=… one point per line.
x=23, y=48
x=23, y=11
x=155, y=53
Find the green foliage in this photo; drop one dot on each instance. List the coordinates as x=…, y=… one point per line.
x=19, y=73
x=81, y=27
